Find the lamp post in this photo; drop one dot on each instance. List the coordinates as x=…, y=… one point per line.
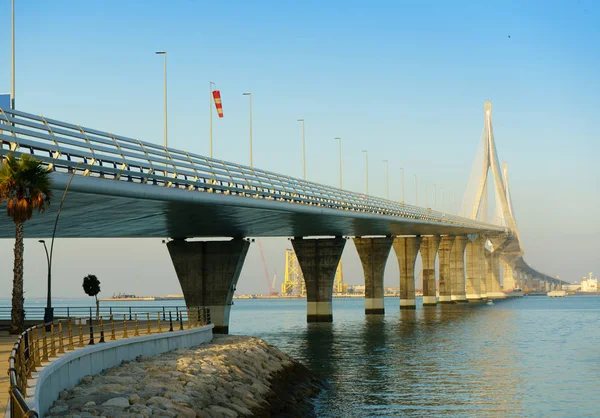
x=340, y=142
x=49, y=311
x=416, y=191
x=210, y=106
x=250, y=96
x=426, y=195
x=367, y=167
x=12, y=84
x=387, y=182
x=434, y=197
x=164, y=53
x=443, y=201
x=303, y=151
x=402, y=168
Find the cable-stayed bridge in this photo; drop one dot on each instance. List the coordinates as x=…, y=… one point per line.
x=125, y=187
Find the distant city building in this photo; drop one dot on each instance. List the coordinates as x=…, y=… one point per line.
x=356, y=289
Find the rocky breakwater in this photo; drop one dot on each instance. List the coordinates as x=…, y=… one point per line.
x=232, y=376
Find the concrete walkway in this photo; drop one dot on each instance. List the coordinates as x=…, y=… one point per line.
x=6, y=344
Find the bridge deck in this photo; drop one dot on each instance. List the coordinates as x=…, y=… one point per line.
x=125, y=187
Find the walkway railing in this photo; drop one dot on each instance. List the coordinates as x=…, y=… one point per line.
x=65, y=147
x=39, y=344
x=33, y=313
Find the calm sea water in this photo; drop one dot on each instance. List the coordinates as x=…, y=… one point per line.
x=526, y=357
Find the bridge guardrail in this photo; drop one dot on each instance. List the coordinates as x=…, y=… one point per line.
x=65, y=147
x=40, y=343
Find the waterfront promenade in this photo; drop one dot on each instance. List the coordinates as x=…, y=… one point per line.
x=115, y=331
x=6, y=344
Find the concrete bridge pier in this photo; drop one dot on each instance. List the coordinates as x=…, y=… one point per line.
x=457, y=269
x=492, y=270
x=475, y=269
x=528, y=282
x=508, y=276
x=208, y=272
x=518, y=279
x=407, y=249
x=446, y=244
x=373, y=253
x=318, y=259
x=429, y=249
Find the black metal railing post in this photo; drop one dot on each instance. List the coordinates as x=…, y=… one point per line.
x=91, y=332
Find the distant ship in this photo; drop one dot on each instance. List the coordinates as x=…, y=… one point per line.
x=589, y=285
x=123, y=297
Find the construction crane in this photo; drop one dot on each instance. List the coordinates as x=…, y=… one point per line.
x=293, y=281
x=270, y=286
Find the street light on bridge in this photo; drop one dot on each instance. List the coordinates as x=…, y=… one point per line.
x=210, y=107
x=387, y=183
x=250, y=96
x=402, y=168
x=12, y=74
x=416, y=191
x=367, y=167
x=303, y=150
x=340, y=142
x=165, y=55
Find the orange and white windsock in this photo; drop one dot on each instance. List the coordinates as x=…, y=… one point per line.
x=218, y=104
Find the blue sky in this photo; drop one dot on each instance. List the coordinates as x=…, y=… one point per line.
x=405, y=80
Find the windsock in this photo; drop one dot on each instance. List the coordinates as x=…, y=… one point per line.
x=218, y=104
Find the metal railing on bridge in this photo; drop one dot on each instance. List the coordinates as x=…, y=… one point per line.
x=66, y=147
x=41, y=343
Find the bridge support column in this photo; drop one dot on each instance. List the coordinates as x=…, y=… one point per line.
x=492, y=270
x=528, y=282
x=406, y=249
x=318, y=259
x=518, y=279
x=457, y=269
x=508, y=276
x=429, y=249
x=208, y=272
x=373, y=253
x=446, y=244
x=475, y=269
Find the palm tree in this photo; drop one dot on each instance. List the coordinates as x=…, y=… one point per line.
x=24, y=186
